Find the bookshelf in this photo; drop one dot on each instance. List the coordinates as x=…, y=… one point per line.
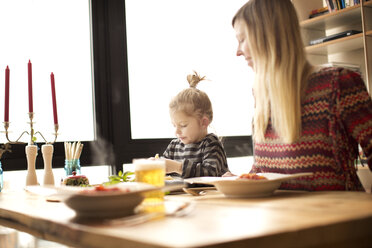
x=355, y=49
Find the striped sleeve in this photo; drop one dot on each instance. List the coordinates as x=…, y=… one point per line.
x=355, y=109
x=211, y=160
x=166, y=153
x=206, y=158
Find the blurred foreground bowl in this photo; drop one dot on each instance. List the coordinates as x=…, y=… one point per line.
x=365, y=177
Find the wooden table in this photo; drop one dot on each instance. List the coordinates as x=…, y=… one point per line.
x=286, y=219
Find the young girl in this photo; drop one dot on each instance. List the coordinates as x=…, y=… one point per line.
x=195, y=152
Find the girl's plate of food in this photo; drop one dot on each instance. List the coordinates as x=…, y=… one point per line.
x=248, y=185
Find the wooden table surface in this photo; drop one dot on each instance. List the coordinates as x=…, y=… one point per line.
x=286, y=219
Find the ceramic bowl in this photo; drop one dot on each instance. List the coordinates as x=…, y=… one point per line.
x=365, y=177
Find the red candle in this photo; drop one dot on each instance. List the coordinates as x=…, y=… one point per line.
x=54, y=98
x=6, y=110
x=30, y=104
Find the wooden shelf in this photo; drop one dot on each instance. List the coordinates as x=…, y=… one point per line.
x=350, y=49
x=368, y=4
x=334, y=19
x=344, y=44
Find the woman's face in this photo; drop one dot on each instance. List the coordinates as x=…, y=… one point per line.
x=241, y=34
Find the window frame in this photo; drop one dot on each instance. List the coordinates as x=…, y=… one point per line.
x=111, y=96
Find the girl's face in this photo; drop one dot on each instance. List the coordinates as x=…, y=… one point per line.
x=189, y=129
x=241, y=34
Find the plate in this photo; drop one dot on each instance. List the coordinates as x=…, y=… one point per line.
x=197, y=191
x=235, y=187
x=181, y=182
x=88, y=202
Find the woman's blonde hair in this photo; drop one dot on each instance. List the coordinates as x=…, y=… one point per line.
x=192, y=101
x=280, y=65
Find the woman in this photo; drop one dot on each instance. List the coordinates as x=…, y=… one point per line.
x=306, y=119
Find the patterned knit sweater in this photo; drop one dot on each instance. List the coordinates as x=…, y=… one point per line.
x=336, y=117
x=205, y=158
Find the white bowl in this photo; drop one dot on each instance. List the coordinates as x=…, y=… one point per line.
x=87, y=202
x=235, y=187
x=247, y=188
x=365, y=177
x=107, y=204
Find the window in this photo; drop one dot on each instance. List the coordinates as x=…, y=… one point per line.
x=166, y=40
x=55, y=36
x=119, y=69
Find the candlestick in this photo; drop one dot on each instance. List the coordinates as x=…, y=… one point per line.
x=54, y=98
x=6, y=105
x=32, y=132
x=30, y=102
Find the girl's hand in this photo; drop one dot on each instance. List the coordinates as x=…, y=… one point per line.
x=228, y=174
x=173, y=166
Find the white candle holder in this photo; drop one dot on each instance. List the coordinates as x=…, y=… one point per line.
x=47, y=151
x=31, y=152
x=32, y=132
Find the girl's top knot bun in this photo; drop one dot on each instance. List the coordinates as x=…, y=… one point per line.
x=194, y=79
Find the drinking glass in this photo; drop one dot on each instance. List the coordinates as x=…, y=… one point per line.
x=151, y=171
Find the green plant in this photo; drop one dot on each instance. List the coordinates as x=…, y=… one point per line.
x=121, y=177
x=5, y=148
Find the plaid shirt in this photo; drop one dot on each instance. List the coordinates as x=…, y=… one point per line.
x=205, y=158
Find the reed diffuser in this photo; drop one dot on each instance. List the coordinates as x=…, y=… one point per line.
x=72, y=157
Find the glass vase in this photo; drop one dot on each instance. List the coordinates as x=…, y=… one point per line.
x=72, y=165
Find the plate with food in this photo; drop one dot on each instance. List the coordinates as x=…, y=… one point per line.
x=248, y=185
x=98, y=201
x=75, y=180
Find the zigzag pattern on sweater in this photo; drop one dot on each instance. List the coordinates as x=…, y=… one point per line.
x=336, y=116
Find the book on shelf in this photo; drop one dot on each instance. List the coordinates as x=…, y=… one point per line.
x=318, y=12
x=330, y=5
x=334, y=36
x=334, y=5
